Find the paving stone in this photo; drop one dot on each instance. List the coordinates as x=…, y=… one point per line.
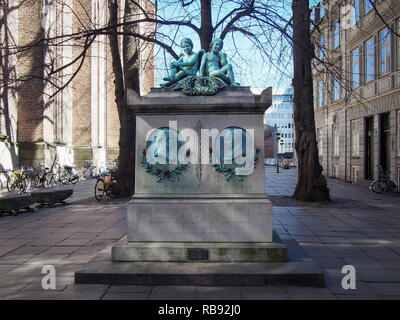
x=6, y=268
x=7, y=249
x=265, y=296
x=329, y=262
x=218, y=293
x=129, y=289
x=61, y=250
x=336, y=288
x=172, y=293
x=264, y=289
x=379, y=275
x=42, y=259
x=309, y=239
x=318, y=251
x=126, y=296
x=358, y=297
x=333, y=239
x=363, y=263
x=346, y=251
x=16, y=242
x=83, y=292
x=73, y=242
x=385, y=289
x=300, y=232
x=15, y=259
x=61, y=283
x=379, y=252
x=27, y=270
x=397, y=297
x=84, y=235
x=390, y=264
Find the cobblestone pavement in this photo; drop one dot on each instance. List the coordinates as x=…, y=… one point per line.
x=357, y=228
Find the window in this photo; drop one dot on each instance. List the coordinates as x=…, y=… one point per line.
x=319, y=142
x=321, y=47
x=356, y=11
x=336, y=88
x=398, y=44
x=398, y=133
x=369, y=60
x=320, y=94
x=355, y=68
x=335, y=140
x=336, y=35
x=368, y=6
x=355, y=138
x=384, y=38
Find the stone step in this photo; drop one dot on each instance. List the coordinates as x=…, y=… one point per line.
x=201, y=274
x=199, y=251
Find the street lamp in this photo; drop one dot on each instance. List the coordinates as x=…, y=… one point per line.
x=282, y=148
x=278, y=137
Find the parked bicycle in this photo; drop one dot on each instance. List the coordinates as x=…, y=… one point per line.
x=105, y=184
x=89, y=170
x=383, y=183
x=17, y=181
x=69, y=175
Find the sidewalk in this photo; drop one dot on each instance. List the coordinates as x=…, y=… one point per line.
x=358, y=228
x=84, y=189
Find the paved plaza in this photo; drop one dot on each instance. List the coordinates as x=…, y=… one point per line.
x=357, y=228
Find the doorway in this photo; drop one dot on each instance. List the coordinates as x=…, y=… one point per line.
x=369, y=150
x=384, y=143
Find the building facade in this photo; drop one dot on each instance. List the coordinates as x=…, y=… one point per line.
x=280, y=115
x=356, y=77
x=79, y=123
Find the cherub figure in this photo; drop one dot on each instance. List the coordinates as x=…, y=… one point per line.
x=186, y=65
x=214, y=63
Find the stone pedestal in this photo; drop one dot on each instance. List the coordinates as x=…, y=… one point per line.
x=199, y=214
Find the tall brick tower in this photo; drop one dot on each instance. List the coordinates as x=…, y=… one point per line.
x=80, y=122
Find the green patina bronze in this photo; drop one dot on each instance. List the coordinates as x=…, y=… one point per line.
x=228, y=172
x=215, y=64
x=200, y=86
x=215, y=71
x=161, y=173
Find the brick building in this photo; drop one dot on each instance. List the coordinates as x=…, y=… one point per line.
x=357, y=101
x=79, y=123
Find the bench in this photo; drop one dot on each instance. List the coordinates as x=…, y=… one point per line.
x=51, y=196
x=16, y=203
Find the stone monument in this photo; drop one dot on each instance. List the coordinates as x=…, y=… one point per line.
x=200, y=215
x=200, y=177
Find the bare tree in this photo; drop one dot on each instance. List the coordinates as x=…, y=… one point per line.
x=311, y=184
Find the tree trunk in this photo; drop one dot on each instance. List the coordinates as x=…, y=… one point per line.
x=126, y=180
x=206, y=29
x=311, y=184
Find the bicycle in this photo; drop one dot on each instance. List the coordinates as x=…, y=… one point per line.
x=17, y=180
x=383, y=183
x=104, y=185
x=69, y=175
